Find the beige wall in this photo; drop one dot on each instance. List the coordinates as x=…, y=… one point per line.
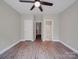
x=9, y=26
x=68, y=26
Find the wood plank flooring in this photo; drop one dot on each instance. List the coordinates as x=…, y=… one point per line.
x=39, y=50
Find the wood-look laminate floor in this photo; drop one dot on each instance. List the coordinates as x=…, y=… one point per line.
x=39, y=50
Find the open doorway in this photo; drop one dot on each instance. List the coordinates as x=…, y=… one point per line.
x=38, y=31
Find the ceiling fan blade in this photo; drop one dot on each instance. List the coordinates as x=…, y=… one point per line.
x=26, y=1
x=40, y=8
x=46, y=3
x=32, y=7
x=37, y=0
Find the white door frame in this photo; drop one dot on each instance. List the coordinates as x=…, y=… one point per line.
x=34, y=29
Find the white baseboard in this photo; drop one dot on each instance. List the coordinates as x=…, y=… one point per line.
x=6, y=49
x=46, y=40
x=56, y=40
x=68, y=46
x=26, y=40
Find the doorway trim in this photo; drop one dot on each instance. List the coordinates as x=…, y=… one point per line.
x=34, y=29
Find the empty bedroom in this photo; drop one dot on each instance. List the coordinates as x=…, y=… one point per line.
x=38, y=29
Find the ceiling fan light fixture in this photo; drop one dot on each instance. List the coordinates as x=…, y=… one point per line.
x=37, y=4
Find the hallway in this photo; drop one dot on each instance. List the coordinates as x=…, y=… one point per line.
x=39, y=50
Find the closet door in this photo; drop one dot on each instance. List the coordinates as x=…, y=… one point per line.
x=47, y=30
x=28, y=30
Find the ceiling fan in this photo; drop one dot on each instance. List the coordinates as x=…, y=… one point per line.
x=38, y=3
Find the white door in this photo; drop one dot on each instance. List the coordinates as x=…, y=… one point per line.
x=47, y=30
x=28, y=30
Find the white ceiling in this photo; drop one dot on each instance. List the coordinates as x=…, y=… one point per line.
x=24, y=8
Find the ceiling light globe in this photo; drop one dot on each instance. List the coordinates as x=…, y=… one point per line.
x=37, y=4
